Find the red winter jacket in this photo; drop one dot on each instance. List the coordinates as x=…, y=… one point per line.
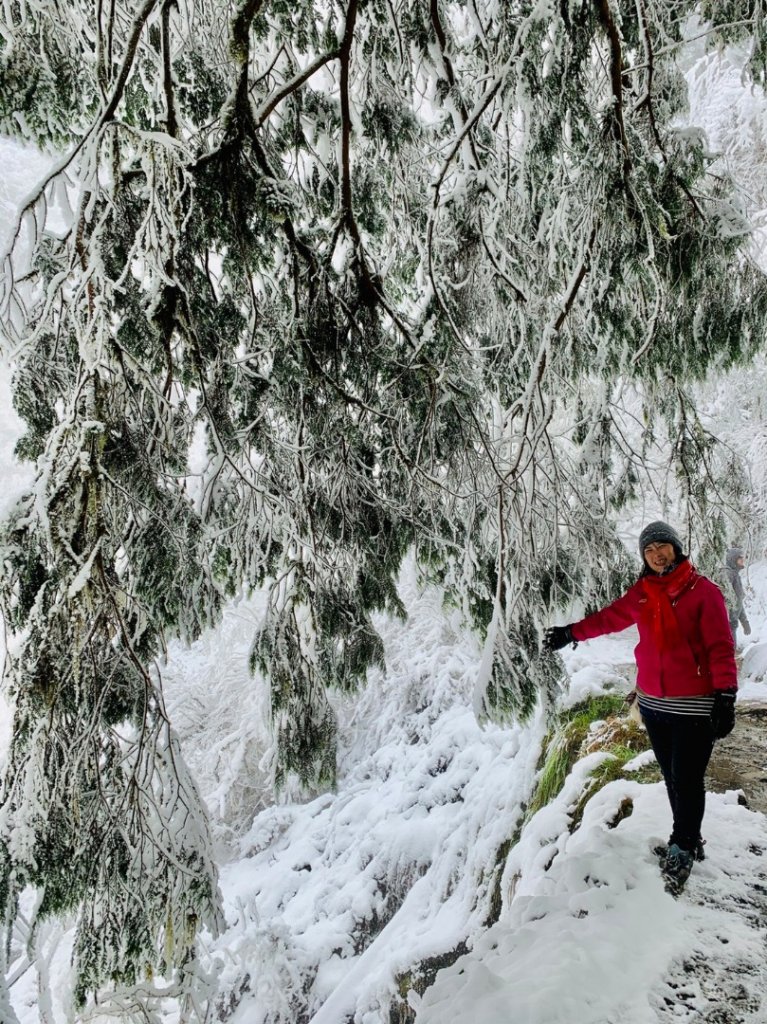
x=703, y=660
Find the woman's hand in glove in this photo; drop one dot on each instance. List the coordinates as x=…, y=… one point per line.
x=557, y=637
x=723, y=713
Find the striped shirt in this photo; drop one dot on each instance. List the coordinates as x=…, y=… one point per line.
x=698, y=706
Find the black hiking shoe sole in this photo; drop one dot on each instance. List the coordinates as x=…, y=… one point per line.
x=676, y=869
x=675, y=886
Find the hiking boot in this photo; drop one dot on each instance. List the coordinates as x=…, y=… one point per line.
x=661, y=851
x=676, y=868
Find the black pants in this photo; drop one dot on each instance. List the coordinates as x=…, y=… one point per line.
x=682, y=745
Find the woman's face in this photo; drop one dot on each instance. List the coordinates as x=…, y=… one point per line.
x=659, y=556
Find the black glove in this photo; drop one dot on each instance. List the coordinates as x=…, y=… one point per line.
x=723, y=713
x=557, y=637
x=746, y=627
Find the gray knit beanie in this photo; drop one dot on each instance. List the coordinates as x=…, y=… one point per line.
x=660, y=533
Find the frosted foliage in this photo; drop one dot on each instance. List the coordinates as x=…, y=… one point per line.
x=288, y=224
x=306, y=288
x=735, y=406
x=431, y=666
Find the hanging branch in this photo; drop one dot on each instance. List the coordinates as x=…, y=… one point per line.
x=616, y=81
x=170, y=103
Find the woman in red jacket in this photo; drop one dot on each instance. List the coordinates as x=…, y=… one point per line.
x=686, y=677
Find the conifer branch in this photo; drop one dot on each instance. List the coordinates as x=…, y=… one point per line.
x=239, y=43
x=518, y=294
x=439, y=32
x=106, y=114
x=616, y=80
x=262, y=114
x=646, y=101
x=344, y=57
x=167, y=76
x=235, y=113
x=126, y=64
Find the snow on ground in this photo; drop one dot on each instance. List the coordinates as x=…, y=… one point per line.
x=559, y=953
x=590, y=936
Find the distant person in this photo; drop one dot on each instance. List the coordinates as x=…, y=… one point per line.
x=686, y=678
x=735, y=563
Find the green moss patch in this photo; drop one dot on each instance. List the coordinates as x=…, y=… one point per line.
x=564, y=745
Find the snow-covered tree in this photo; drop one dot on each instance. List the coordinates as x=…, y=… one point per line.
x=401, y=269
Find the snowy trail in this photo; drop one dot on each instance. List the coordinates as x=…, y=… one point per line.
x=722, y=978
x=591, y=937
x=729, y=896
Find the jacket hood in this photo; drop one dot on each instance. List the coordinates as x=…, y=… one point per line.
x=732, y=557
